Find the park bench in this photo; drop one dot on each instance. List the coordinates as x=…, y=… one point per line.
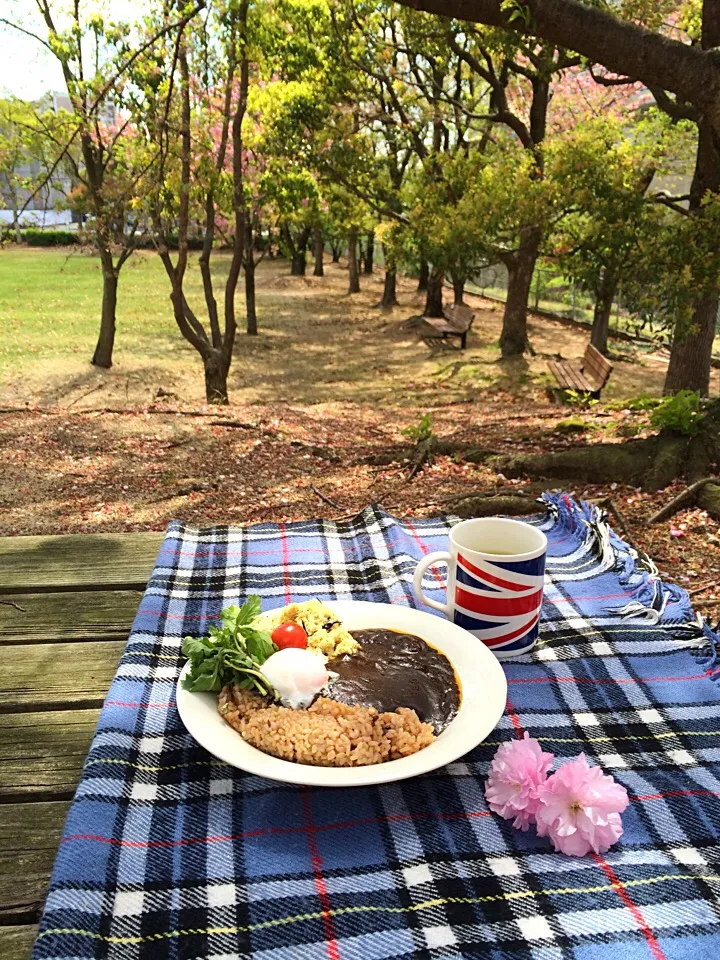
x=588, y=375
x=457, y=322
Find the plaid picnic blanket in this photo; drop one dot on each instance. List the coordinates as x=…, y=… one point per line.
x=170, y=854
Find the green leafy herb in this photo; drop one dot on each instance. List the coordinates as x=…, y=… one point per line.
x=233, y=653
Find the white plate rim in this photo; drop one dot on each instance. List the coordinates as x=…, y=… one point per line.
x=484, y=695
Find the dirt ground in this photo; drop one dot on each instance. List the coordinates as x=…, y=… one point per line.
x=326, y=388
x=317, y=344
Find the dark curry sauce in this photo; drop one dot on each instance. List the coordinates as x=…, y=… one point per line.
x=393, y=670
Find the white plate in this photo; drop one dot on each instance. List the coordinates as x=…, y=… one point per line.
x=482, y=681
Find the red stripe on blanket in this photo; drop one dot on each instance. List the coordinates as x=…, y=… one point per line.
x=425, y=551
x=286, y=563
x=333, y=950
x=621, y=891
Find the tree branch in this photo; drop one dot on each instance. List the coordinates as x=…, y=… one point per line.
x=622, y=47
x=28, y=33
x=610, y=81
x=670, y=202
x=503, y=113
x=673, y=108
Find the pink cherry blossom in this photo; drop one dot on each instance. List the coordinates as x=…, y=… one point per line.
x=579, y=809
x=518, y=770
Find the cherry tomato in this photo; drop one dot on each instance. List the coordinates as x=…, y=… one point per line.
x=289, y=635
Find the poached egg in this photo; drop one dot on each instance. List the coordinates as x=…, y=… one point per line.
x=297, y=675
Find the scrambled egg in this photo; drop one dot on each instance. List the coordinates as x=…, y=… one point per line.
x=324, y=630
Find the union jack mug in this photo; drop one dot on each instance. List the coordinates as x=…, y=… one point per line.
x=496, y=572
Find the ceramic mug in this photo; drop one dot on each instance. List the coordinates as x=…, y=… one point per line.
x=496, y=572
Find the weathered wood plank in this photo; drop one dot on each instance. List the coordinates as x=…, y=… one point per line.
x=52, y=617
x=41, y=754
x=16, y=942
x=56, y=675
x=29, y=838
x=93, y=561
x=568, y=376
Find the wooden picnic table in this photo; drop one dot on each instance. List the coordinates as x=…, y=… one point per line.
x=78, y=595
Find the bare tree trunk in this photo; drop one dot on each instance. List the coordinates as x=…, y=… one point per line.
x=106, y=340
x=16, y=222
x=216, y=371
x=336, y=251
x=434, y=297
x=353, y=266
x=369, y=257
x=297, y=264
x=601, y=316
x=249, y=268
x=389, y=297
x=689, y=367
x=423, y=276
x=458, y=288
x=319, y=250
x=521, y=265
x=691, y=352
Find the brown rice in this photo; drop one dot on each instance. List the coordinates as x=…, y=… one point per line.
x=327, y=734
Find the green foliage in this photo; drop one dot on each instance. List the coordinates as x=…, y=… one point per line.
x=643, y=401
x=572, y=425
x=420, y=432
x=233, y=653
x=517, y=13
x=49, y=238
x=675, y=261
x=578, y=398
x=681, y=413
x=608, y=229
x=146, y=242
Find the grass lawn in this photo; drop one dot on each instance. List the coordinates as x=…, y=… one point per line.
x=50, y=306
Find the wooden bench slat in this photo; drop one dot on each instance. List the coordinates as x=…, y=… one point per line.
x=598, y=366
x=591, y=365
x=457, y=322
x=588, y=375
x=16, y=942
x=54, y=617
x=569, y=376
x=29, y=838
x=558, y=371
x=442, y=326
x=582, y=383
x=41, y=754
x=460, y=316
x=93, y=561
x=57, y=675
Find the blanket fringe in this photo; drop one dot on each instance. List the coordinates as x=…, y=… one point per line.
x=651, y=600
x=709, y=655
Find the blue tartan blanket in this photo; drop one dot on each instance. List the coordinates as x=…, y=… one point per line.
x=169, y=854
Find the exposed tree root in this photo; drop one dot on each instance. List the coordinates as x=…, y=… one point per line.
x=403, y=452
x=651, y=463
x=330, y=502
x=514, y=506
x=424, y=453
x=685, y=499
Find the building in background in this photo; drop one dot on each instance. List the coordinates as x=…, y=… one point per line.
x=48, y=206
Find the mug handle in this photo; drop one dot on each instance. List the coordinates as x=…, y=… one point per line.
x=429, y=560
